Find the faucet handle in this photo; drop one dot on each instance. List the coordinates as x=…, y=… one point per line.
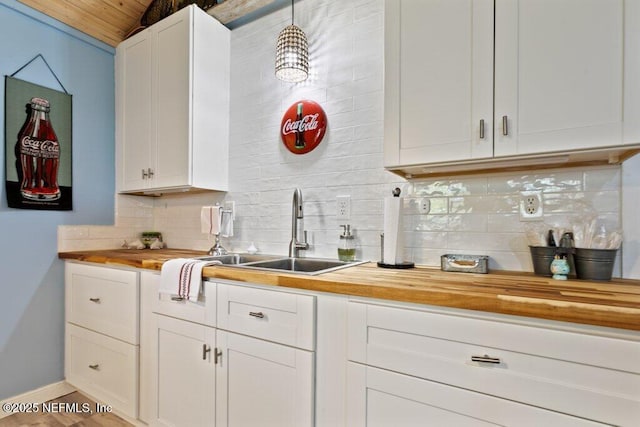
x=305, y=242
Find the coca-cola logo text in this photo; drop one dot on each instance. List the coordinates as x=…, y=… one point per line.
x=39, y=147
x=308, y=122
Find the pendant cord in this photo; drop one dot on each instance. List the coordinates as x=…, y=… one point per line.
x=292, y=11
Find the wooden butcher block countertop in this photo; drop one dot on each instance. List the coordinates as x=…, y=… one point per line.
x=613, y=304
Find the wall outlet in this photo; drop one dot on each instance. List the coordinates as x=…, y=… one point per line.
x=531, y=206
x=343, y=207
x=424, y=206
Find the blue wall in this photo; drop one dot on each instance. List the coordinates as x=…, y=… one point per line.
x=31, y=276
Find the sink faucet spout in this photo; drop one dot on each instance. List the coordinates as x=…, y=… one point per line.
x=297, y=213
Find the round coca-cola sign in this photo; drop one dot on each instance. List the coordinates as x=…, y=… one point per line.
x=303, y=126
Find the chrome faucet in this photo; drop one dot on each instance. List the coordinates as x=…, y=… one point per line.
x=296, y=213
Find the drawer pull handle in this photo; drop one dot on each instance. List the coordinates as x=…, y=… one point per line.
x=96, y=300
x=217, y=355
x=205, y=350
x=505, y=126
x=95, y=367
x=486, y=359
x=177, y=298
x=481, y=128
x=258, y=314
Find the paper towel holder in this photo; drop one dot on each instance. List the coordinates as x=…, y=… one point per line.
x=402, y=265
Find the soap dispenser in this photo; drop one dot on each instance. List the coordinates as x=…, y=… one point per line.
x=346, y=245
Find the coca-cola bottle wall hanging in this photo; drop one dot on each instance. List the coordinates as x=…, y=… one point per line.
x=39, y=152
x=38, y=146
x=303, y=126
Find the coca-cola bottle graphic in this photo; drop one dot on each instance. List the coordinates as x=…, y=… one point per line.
x=39, y=154
x=300, y=142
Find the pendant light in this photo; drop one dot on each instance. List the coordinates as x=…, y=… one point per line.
x=292, y=54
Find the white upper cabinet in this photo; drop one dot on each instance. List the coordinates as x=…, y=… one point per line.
x=172, y=106
x=564, y=86
x=559, y=75
x=438, y=80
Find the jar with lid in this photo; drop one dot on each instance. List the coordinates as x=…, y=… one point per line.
x=346, y=244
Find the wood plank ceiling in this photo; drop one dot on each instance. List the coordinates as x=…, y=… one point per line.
x=111, y=21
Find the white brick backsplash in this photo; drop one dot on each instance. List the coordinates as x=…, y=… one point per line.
x=469, y=214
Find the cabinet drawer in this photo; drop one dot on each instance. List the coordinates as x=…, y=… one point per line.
x=104, y=367
x=281, y=317
x=103, y=299
x=202, y=311
x=376, y=397
x=594, y=377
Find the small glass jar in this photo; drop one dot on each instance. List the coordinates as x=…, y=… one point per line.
x=346, y=245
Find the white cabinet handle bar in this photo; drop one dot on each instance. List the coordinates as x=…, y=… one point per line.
x=486, y=359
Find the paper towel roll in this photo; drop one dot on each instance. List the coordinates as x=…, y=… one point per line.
x=393, y=244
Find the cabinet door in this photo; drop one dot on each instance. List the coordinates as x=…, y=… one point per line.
x=438, y=80
x=134, y=111
x=185, y=369
x=172, y=86
x=559, y=75
x=379, y=398
x=263, y=384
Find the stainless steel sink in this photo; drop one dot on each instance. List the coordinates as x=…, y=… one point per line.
x=308, y=266
x=236, y=259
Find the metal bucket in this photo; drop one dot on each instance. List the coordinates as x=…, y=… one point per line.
x=541, y=256
x=594, y=264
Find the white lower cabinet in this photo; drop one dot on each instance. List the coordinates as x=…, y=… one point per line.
x=104, y=367
x=186, y=373
x=266, y=374
x=415, y=363
x=260, y=383
x=101, y=334
x=381, y=398
x=244, y=355
x=246, y=374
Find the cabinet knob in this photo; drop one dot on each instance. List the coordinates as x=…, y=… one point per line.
x=96, y=300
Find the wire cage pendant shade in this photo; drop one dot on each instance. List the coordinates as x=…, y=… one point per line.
x=292, y=54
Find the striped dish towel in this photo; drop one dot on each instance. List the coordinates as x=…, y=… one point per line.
x=182, y=277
